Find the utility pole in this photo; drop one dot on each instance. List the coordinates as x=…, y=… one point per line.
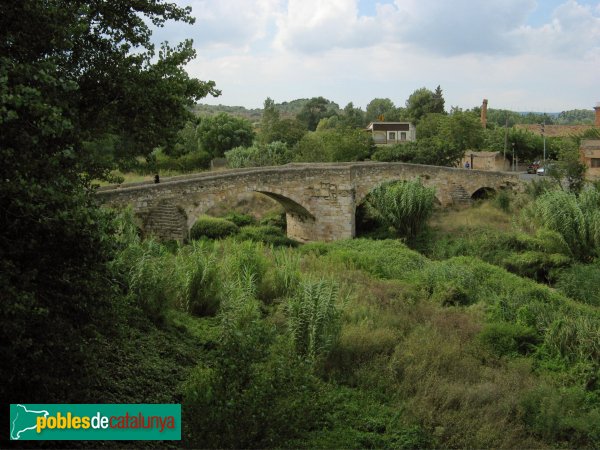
x=513, y=158
x=505, y=137
x=544, y=136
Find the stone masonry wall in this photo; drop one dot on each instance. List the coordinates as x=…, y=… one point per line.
x=320, y=200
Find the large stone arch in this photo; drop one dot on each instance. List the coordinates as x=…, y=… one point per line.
x=300, y=220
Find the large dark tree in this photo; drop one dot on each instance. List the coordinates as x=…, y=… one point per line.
x=76, y=78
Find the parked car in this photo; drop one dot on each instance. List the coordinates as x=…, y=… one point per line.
x=543, y=170
x=533, y=167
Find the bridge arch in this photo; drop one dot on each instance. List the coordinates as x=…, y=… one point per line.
x=299, y=219
x=483, y=193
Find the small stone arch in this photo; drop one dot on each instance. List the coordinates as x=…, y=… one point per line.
x=483, y=193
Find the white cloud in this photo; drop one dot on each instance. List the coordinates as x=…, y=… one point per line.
x=573, y=32
x=316, y=25
x=289, y=49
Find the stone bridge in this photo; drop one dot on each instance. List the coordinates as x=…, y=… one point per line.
x=320, y=200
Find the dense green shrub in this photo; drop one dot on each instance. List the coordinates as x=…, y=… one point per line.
x=256, y=392
x=508, y=339
x=580, y=282
x=276, y=219
x=562, y=417
x=212, y=228
x=404, y=205
x=272, y=154
x=503, y=200
x=241, y=220
x=575, y=219
x=384, y=259
x=267, y=234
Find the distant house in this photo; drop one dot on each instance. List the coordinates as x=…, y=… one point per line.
x=385, y=133
x=590, y=156
x=493, y=161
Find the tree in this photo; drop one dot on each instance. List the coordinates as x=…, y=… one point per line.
x=269, y=120
x=316, y=109
x=380, y=107
x=353, y=117
x=222, y=132
x=334, y=145
x=423, y=101
x=73, y=75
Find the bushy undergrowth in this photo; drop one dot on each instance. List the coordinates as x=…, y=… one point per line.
x=392, y=350
x=576, y=219
x=580, y=282
x=533, y=256
x=404, y=205
x=268, y=234
x=212, y=228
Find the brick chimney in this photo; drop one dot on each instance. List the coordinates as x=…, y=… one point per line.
x=484, y=113
x=597, y=109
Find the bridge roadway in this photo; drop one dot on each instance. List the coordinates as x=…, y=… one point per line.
x=319, y=199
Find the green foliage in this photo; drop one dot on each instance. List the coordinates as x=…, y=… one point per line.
x=80, y=85
x=212, y=228
x=528, y=146
x=241, y=220
x=313, y=319
x=503, y=200
x=561, y=417
x=383, y=259
x=268, y=234
x=580, y=282
x=575, y=219
x=316, y=109
x=405, y=205
x=276, y=219
x=150, y=280
x=422, y=102
x=275, y=129
x=273, y=154
x=225, y=403
x=383, y=107
x=197, y=275
x=334, y=145
x=508, y=339
x=222, y=132
x=576, y=117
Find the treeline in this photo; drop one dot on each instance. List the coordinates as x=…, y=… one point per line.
x=321, y=132
x=497, y=117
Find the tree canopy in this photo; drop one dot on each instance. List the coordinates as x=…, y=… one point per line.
x=75, y=78
x=222, y=132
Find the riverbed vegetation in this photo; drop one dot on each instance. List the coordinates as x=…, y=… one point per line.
x=466, y=334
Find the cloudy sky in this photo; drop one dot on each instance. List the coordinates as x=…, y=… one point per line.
x=524, y=55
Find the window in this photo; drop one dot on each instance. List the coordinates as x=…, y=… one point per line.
x=403, y=136
x=391, y=135
x=595, y=162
